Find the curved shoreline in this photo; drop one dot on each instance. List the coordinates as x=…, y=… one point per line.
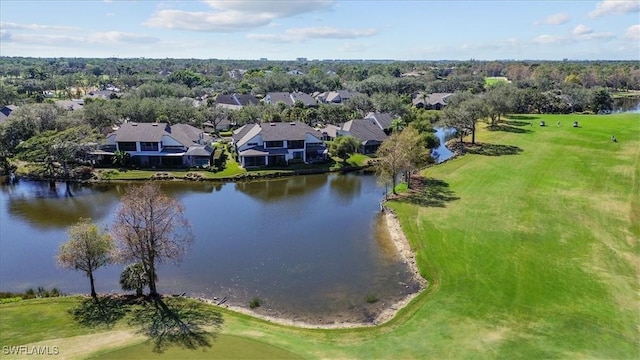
x=404, y=249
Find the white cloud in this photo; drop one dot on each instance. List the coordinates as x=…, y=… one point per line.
x=615, y=7
x=582, y=30
x=109, y=38
x=5, y=35
x=276, y=9
x=633, y=33
x=37, y=27
x=303, y=34
x=557, y=19
x=550, y=39
x=230, y=16
x=117, y=37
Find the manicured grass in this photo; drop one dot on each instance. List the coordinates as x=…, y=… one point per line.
x=222, y=347
x=490, y=80
x=530, y=247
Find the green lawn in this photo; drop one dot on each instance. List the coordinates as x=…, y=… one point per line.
x=530, y=245
x=491, y=80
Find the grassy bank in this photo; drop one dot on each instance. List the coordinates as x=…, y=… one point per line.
x=530, y=244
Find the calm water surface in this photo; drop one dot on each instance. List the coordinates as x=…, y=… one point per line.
x=312, y=247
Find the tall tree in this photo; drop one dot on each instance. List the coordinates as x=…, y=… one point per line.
x=87, y=250
x=150, y=228
x=391, y=160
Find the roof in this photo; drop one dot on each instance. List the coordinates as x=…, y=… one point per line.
x=6, y=111
x=186, y=135
x=199, y=150
x=276, y=97
x=236, y=99
x=431, y=99
x=145, y=132
x=364, y=130
x=384, y=120
x=306, y=99
x=331, y=130
x=287, y=131
x=274, y=132
x=261, y=151
x=71, y=104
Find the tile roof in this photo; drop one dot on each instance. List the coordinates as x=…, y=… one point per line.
x=384, y=120
x=287, y=131
x=276, y=97
x=364, y=130
x=186, y=135
x=274, y=132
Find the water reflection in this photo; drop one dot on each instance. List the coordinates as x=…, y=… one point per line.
x=281, y=189
x=442, y=153
x=45, y=206
x=308, y=245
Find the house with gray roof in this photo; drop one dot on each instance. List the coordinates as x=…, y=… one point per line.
x=6, y=111
x=433, y=101
x=74, y=104
x=289, y=99
x=383, y=120
x=160, y=145
x=235, y=101
x=366, y=131
x=277, y=144
x=336, y=97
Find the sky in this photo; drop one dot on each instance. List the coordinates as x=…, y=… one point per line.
x=323, y=29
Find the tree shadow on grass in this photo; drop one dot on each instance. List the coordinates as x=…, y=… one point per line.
x=429, y=192
x=493, y=149
x=523, y=117
x=104, y=311
x=176, y=322
x=508, y=128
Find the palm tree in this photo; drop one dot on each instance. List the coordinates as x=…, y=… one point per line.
x=133, y=277
x=121, y=158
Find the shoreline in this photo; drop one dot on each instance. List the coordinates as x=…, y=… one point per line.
x=403, y=247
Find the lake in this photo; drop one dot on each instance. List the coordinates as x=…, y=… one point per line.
x=313, y=248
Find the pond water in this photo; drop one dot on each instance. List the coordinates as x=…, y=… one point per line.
x=442, y=153
x=313, y=248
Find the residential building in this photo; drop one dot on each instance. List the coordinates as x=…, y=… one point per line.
x=366, y=131
x=276, y=144
x=6, y=111
x=383, y=120
x=336, y=97
x=160, y=145
x=235, y=101
x=289, y=99
x=433, y=101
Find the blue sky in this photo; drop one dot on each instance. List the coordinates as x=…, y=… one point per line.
x=323, y=29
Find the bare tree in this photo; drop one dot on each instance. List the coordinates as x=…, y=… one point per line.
x=87, y=249
x=391, y=160
x=151, y=228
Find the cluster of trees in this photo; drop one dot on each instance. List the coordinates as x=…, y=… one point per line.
x=150, y=228
x=165, y=90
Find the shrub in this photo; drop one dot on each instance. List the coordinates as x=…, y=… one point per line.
x=255, y=302
x=371, y=298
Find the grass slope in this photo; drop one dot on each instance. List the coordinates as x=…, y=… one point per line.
x=530, y=246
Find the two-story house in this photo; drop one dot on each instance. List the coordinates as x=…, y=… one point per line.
x=275, y=144
x=158, y=144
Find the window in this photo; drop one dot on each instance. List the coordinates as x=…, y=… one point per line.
x=127, y=146
x=149, y=146
x=273, y=144
x=297, y=155
x=295, y=144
